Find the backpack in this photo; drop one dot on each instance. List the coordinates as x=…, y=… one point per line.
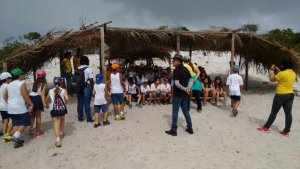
x=59, y=104
x=79, y=80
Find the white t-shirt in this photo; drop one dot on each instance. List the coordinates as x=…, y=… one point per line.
x=167, y=88
x=52, y=96
x=100, y=94
x=88, y=73
x=16, y=102
x=3, y=104
x=154, y=88
x=161, y=88
x=145, y=89
x=234, y=81
x=116, y=87
x=132, y=89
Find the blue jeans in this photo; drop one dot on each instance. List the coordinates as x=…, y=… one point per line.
x=84, y=100
x=183, y=103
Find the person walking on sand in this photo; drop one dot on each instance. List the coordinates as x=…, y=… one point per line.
x=182, y=88
x=67, y=69
x=284, y=96
x=17, y=98
x=116, y=88
x=235, y=85
x=58, y=109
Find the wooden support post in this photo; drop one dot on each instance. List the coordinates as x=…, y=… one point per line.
x=102, y=53
x=190, y=50
x=232, y=51
x=247, y=73
x=4, y=67
x=178, y=44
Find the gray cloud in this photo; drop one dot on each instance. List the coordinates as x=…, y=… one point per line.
x=18, y=16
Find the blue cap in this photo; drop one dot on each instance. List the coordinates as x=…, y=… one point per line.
x=99, y=78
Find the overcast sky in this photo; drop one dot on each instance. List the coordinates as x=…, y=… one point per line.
x=18, y=17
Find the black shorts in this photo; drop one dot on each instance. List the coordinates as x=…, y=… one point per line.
x=58, y=113
x=20, y=119
x=4, y=115
x=236, y=98
x=37, y=103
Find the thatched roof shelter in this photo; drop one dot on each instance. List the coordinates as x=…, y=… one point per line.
x=142, y=43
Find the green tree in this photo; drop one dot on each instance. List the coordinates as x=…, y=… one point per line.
x=286, y=37
x=250, y=28
x=31, y=36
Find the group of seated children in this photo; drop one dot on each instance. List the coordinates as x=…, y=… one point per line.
x=159, y=93
x=214, y=90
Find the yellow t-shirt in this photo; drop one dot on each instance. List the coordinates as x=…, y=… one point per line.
x=286, y=81
x=193, y=73
x=76, y=62
x=67, y=65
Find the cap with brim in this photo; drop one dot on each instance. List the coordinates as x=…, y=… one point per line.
x=16, y=72
x=145, y=80
x=115, y=66
x=178, y=57
x=5, y=75
x=186, y=57
x=99, y=78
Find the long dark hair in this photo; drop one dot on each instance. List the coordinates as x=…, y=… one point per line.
x=39, y=81
x=220, y=85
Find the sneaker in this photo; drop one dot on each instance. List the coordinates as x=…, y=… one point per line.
x=39, y=133
x=61, y=136
x=130, y=106
x=189, y=130
x=263, y=129
x=122, y=116
x=58, y=144
x=97, y=125
x=219, y=104
x=105, y=123
x=199, y=110
x=285, y=134
x=118, y=118
x=6, y=139
x=234, y=112
x=171, y=132
x=18, y=142
x=139, y=106
x=31, y=131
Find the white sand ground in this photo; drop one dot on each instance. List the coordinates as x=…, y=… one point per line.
x=219, y=142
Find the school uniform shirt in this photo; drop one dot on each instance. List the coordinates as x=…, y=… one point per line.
x=285, y=80
x=52, y=96
x=100, y=94
x=154, y=88
x=88, y=73
x=234, y=81
x=116, y=86
x=132, y=89
x=168, y=87
x=161, y=88
x=3, y=104
x=16, y=102
x=145, y=89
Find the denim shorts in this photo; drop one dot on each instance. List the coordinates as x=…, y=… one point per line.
x=20, y=119
x=98, y=108
x=117, y=98
x=4, y=115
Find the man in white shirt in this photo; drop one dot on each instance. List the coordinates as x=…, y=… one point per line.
x=84, y=98
x=235, y=84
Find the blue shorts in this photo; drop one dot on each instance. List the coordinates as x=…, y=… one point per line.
x=134, y=96
x=20, y=119
x=158, y=94
x=98, y=108
x=117, y=98
x=234, y=97
x=4, y=115
x=38, y=103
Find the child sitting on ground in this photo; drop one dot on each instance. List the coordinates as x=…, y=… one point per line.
x=100, y=102
x=155, y=91
x=146, y=92
x=207, y=88
x=218, y=91
x=133, y=93
x=167, y=91
x=58, y=109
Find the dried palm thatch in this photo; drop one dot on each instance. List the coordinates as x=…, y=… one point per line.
x=140, y=44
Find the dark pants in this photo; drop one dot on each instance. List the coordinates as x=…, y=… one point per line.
x=84, y=100
x=176, y=104
x=68, y=77
x=285, y=101
x=196, y=94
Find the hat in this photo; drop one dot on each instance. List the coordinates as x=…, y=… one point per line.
x=58, y=80
x=145, y=80
x=99, y=78
x=5, y=75
x=16, y=72
x=178, y=57
x=236, y=68
x=186, y=57
x=115, y=66
x=40, y=73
